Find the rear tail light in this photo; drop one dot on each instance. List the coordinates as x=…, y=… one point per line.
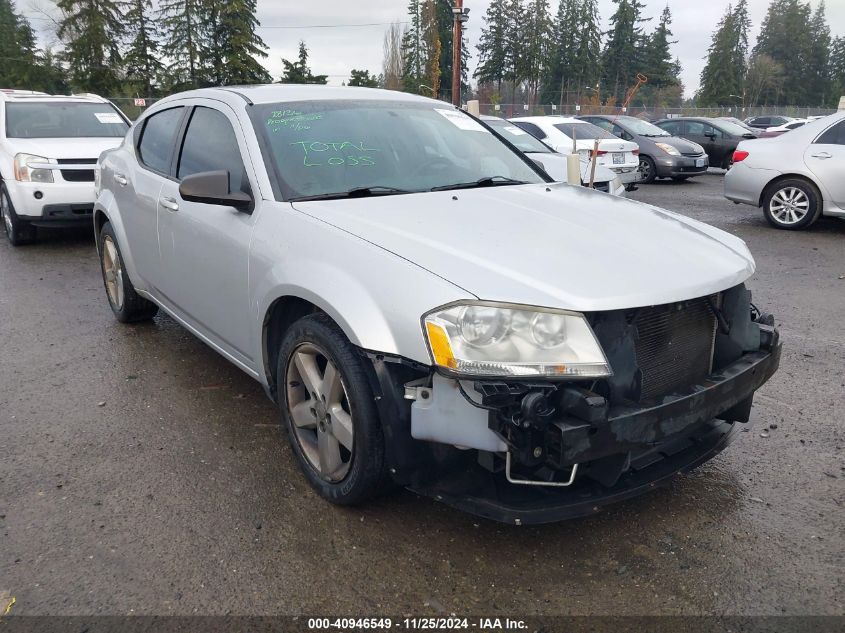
x=601, y=152
x=740, y=155
x=636, y=152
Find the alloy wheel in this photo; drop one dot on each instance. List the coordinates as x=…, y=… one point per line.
x=113, y=272
x=789, y=206
x=645, y=169
x=318, y=406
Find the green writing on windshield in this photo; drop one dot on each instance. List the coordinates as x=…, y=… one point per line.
x=291, y=120
x=336, y=153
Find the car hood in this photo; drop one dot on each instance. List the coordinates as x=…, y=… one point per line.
x=548, y=245
x=65, y=147
x=681, y=144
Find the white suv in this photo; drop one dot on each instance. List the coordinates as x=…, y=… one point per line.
x=49, y=146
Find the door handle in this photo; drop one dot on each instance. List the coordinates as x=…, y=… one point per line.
x=121, y=180
x=822, y=155
x=169, y=203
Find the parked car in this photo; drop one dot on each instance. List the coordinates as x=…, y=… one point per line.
x=740, y=123
x=49, y=147
x=781, y=129
x=764, y=122
x=661, y=154
x=617, y=155
x=425, y=306
x=719, y=138
x=796, y=177
x=552, y=162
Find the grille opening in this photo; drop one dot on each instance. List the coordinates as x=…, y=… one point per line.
x=674, y=345
x=74, y=175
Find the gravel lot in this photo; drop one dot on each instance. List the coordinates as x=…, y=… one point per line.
x=142, y=473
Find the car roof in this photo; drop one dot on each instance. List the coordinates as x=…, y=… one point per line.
x=20, y=96
x=281, y=93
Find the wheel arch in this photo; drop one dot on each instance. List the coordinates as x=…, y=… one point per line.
x=790, y=176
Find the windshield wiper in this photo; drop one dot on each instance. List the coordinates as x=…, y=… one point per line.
x=357, y=192
x=489, y=181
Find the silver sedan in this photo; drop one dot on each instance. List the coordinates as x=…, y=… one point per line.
x=796, y=177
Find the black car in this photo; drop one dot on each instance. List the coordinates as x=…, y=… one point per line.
x=662, y=155
x=718, y=137
x=764, y=122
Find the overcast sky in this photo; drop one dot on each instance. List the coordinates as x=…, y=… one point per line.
x=335, y=51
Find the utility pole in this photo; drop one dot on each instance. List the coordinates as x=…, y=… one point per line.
x=460, y=16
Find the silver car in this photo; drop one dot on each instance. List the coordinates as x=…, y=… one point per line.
x=424, y=306
x=796, y=177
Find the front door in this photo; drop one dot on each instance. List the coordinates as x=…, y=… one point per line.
x=205, y=248
x=825, y=157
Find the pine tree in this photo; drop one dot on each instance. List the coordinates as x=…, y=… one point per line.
x=17, y=48
x=723, y=76
x=785, y=37
x=186, y=43
x=818, y=59
x=661, y=67
x=363, y=78
x=298, y=72
x=143, y=67
x=538, y=30
x=564, y=40
x=515, y=45
x=586, y=61
x=492, y=53
x=91, y=31
x=237, y=44
x=623, y=54
x=837, y=71
x=413, y=50
x=432, y=46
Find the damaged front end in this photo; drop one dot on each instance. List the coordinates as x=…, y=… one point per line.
x=540, y=450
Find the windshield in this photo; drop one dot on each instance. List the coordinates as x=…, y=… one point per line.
x=521, y=139
x=583, y=130
x=63, y=120
x=643, y=128
x=731, y=128
x=321, y=148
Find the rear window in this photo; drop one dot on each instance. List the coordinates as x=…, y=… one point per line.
x=64, y=120
x=582, y=129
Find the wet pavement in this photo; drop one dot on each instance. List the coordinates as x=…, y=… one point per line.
x=141, y=473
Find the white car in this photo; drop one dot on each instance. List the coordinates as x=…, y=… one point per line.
x=49, y=146
x=796, y=177
x=620, y=156
x=786, y=127
x=425, y=306
x=554, y=163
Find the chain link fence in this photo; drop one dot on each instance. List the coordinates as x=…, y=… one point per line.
x=514, y=110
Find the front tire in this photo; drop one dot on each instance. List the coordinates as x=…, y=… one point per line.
x=648, y=170
x=17, y=232
x=328, y=408
x=792, y=205
x=128, y=306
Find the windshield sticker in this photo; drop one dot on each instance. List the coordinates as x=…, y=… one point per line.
x=336, y=153
x=461, y=120
x=291, y=120
x=108, y=117
x=514, y=130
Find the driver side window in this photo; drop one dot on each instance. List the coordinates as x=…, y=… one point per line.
x=211, y=145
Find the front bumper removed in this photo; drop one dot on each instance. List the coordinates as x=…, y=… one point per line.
x=633, y=450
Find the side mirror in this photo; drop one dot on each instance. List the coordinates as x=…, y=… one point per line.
x=749, y=135
x=710, y=135
x=212, y=187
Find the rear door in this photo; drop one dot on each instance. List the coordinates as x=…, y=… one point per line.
x=204, y=247
x=825, y=157
x=137, y=183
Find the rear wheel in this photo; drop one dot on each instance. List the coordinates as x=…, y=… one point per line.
x=329, y=411
x=792, y=205
x=648, y=170
x=17, y=231
x=128, y=306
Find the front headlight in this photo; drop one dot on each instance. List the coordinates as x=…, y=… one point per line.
x=24, y=173
x=673, y=151
x=483, y=339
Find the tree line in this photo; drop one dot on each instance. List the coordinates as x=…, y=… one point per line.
x=794, y=62
x=117, y=47
x=528, y=52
